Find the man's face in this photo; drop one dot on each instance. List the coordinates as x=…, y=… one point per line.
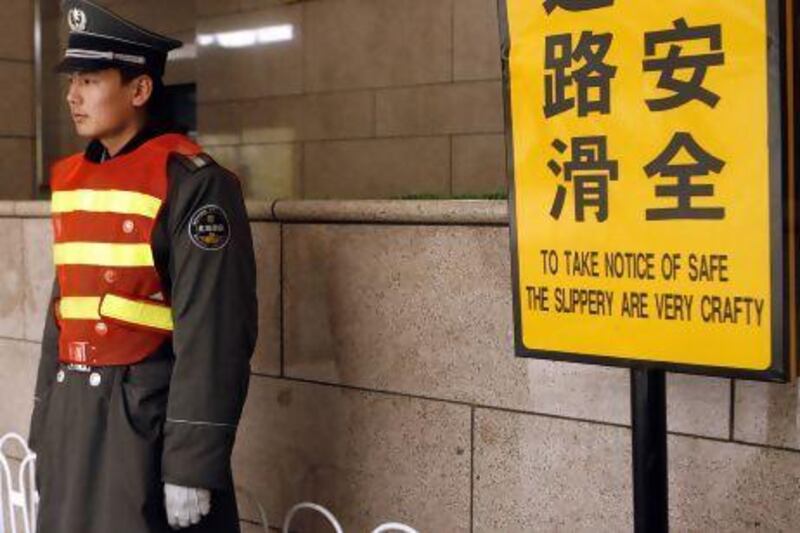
x=101, y=105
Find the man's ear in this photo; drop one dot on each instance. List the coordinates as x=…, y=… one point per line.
x=142, y=88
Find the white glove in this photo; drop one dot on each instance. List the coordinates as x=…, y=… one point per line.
x=185, y=506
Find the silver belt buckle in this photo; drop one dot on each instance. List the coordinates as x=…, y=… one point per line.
x=79, y=367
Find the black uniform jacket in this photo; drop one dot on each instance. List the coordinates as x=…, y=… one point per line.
x=183, y=402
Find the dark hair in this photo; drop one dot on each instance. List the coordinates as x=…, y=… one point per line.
x=158, y=112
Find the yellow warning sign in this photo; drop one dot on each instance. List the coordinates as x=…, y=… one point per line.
x=649, y=183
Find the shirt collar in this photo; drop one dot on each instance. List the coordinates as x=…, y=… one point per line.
x=97, y=153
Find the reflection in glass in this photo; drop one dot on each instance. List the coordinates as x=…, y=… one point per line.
x=245, y=38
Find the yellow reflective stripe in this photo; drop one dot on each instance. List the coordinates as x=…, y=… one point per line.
x=103, y=254
x=136, y=312
x=132, y=311
x=122, y=202
x=79, y=307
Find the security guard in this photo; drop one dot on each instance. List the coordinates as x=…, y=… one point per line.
x=152, y=323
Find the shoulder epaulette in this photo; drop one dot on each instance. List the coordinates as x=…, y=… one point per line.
x=194, y=163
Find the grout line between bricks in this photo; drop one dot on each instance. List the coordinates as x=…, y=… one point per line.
x=17, y=61
x=13, y=339
x=472, y=470
x=25, y=273
x=732, y=415
x=10, y=136
x=282, y=336
x=357, y=138
x=509, y=410
x=349, y=90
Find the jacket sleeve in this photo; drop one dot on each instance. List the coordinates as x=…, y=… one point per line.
x=48, y=365
x=214, y=308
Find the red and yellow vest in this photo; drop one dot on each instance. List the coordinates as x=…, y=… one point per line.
x=112, y=309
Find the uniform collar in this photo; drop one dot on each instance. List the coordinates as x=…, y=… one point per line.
x=97, y=153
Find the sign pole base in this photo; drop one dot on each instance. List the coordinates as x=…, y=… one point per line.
x=649, y=424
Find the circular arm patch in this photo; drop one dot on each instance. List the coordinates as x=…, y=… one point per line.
x=209, y=228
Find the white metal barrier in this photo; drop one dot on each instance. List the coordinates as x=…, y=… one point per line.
x=18, y=496
x=23, y=499
x=337, y=528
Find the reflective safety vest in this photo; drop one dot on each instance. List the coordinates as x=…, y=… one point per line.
x=112, y=309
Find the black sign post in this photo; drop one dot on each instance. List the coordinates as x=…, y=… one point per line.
x=649, y=425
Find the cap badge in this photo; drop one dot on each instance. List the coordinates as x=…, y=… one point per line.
x=77, y=19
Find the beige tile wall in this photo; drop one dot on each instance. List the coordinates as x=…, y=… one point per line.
x=408, y=90
x=370, y=99
x=17, y=132
x=385, y=388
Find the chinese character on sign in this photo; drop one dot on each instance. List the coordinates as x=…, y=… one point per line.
x=592, y=79
x=684, y=190
x=687, y=87
x=590, y=171
x=576, y=5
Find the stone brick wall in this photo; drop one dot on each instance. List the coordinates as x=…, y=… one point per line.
x=374, y=99
x=17, y=131
x=385, y=386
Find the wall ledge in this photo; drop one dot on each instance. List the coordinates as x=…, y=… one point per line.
x=455, y=212
x=446, y=212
